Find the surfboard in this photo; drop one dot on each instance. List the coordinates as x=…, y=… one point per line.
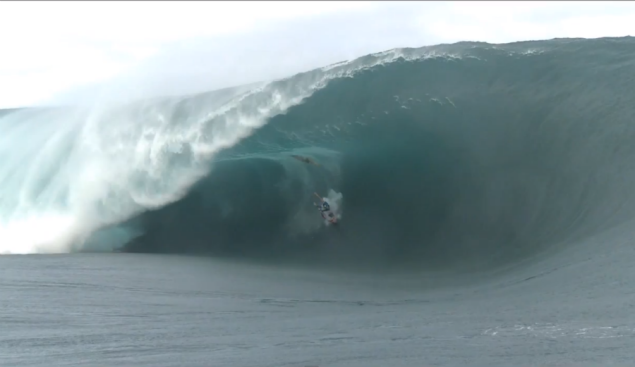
x=332, y=218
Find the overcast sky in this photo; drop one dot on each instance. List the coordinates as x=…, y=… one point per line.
x=55, y=52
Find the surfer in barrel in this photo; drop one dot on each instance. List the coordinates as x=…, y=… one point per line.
x=325, y=209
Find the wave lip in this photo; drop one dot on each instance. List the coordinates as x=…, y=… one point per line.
x=109, y=162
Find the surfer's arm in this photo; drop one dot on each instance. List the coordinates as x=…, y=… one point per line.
x=318, y=196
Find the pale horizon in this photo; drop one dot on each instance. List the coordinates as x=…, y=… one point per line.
x=68, y=52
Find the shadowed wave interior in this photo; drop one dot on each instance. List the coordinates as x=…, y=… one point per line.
x=480, y=157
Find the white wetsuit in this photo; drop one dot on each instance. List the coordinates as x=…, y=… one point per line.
x=326, y=211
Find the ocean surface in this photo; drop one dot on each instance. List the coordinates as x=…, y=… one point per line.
x=485, y=194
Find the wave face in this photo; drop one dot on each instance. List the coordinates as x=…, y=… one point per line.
x=459, y=155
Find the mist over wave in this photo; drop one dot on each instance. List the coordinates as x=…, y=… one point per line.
x=459, y=155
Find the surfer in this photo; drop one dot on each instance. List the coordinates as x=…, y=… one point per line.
x=325, y=209
x=306, y=160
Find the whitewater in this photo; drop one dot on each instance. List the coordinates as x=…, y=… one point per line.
x=85, y=168
x=486, y=203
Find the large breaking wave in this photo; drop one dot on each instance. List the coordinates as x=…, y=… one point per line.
x=451, y=155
